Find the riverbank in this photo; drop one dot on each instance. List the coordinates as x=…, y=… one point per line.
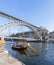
x=7, y=59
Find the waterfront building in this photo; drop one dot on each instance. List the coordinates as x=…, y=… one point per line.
x=50, y=36
x=30, y=34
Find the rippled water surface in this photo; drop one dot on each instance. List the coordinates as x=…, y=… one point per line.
x=29, y=57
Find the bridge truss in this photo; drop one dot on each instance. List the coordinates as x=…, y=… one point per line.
x=17, y=22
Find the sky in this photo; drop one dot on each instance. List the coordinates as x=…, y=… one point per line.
x=36, y=12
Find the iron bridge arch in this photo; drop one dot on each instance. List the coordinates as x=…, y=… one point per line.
x=16, y=21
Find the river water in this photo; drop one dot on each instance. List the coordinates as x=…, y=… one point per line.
x=29, y=57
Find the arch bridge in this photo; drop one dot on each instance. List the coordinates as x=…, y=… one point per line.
x=16, y=21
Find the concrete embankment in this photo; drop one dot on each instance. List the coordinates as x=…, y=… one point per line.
x=7, y=59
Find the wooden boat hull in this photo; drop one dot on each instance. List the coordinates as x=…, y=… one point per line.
x=19, y=48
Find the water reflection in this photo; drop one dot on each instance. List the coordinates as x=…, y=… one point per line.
x=22, y=52
x=45, y=50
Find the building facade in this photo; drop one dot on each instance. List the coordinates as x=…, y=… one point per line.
x=30, y=34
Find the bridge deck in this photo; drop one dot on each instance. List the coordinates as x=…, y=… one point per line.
x=28, y=39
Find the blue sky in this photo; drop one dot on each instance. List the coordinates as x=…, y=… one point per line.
x=36, y=12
